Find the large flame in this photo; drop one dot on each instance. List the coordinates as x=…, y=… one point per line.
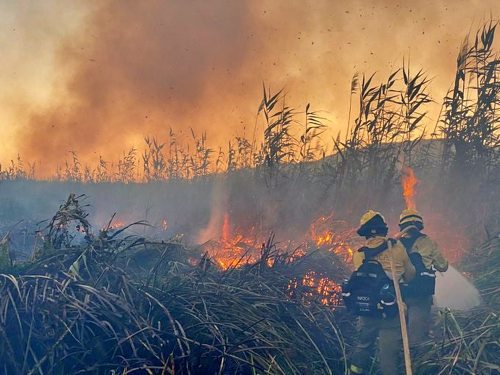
x=409, y=183
x=237, y=247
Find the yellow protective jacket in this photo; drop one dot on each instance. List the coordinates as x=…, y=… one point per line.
x=431, y=256
x=402, y=264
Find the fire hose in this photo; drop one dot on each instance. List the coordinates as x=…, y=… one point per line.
x=402, y=317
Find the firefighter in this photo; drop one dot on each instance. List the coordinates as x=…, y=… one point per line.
x=427, y=259
x=383, y=325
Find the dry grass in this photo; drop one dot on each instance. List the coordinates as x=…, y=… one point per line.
x=470, y=342
x=120, y=303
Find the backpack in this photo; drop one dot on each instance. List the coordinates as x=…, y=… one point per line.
x=369, y=291
x=424, y=283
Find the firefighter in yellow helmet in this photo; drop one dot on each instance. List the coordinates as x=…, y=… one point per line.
x=427, y=259
x=376, y=308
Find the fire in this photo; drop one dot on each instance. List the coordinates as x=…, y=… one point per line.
x=236, y=248
x=231, y=250
x=324, y=239
x=115, y=224
x=315, y=287
x=409, y=183
x=450, y=236
x=323, y=234
x=234, y=253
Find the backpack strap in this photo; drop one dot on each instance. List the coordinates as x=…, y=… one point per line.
x=408, y=242
x=372, y=252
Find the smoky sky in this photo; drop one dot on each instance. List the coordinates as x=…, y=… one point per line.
x=138, y=68
x=134, y=66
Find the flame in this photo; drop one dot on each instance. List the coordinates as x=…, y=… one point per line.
x=113, y=224
x=234, y=253
x=409, y=182
x=315, y=287
x=116, y=224
x=323, y=234
x=451, y=236
x=232, y=250
x=236, y=248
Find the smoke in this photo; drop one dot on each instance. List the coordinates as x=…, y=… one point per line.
x=219, y=207
x=135, y=68
x=138, y=68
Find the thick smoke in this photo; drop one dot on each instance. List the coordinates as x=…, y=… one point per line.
x=136, y=68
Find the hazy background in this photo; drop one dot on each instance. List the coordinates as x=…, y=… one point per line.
x=196, y=209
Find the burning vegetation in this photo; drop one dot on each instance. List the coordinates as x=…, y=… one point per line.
x=409, y=183
x=157, y=305
x=237, y=265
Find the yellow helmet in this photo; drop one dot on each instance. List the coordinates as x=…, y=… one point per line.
x=410, y=215
x=368, y=215
x=372, y=223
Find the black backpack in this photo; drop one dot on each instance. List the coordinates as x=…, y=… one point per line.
x=369, y=291
x=424, y=283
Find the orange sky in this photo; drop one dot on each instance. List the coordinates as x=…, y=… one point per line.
x=97, y=76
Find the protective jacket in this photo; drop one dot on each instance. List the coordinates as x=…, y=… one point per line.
x=431, y=256
x=387, y=330
x=402, y=264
